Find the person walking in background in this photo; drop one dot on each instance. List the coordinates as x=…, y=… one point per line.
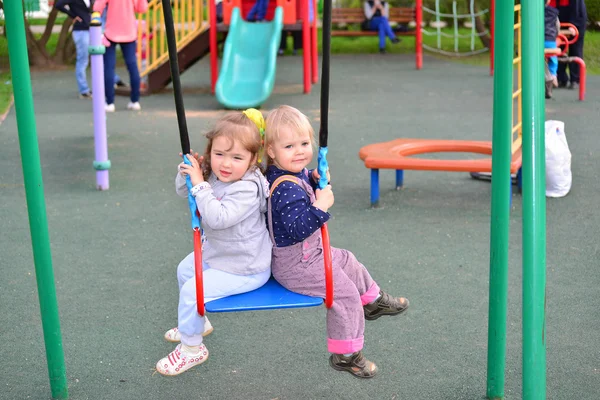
x=574, y=12
x=121, y=29
x=79, y=10
x=551, y=29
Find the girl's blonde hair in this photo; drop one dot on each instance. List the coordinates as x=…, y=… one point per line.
x=235, y=126
x=286, y=117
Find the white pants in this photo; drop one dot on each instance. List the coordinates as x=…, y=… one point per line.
x=217, y=284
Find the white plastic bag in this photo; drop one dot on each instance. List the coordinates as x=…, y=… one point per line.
x=558, y=160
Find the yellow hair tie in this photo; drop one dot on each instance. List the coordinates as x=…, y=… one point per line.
x=256, y=116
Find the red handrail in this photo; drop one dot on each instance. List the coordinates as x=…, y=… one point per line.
x=563, y=41
x=573, y=29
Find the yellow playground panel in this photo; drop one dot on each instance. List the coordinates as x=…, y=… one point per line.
x=190, y=18
x=517, y=129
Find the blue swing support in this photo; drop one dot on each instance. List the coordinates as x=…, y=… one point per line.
x=271, y=295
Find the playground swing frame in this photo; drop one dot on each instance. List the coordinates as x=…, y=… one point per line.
x=271, y=295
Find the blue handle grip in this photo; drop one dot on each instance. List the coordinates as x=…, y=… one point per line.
x=191, y=199
x=323, y=167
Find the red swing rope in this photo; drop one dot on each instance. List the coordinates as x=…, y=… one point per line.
x=323, y=134
x=185, y=149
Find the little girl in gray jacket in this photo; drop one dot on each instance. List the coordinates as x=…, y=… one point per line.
x=231, y=194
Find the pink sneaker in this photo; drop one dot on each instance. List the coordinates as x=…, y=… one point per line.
x=173, y=335
x=178, y=362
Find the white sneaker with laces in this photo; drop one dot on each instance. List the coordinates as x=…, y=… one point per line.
x=109, y=107
x=179, y=361
x=173, y=335
x=134, y=106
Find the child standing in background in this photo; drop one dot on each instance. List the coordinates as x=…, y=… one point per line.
x=121, y=29
x=231, y=194
x=297, y=210
x=551, y=29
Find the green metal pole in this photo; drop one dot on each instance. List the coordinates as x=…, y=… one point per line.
x=500, y=213
x=34, y=192
x=534, y=204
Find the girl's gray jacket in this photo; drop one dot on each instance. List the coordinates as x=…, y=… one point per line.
x=233, y=219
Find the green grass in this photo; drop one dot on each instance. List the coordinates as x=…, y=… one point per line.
x=370, y=44
x=5, y=91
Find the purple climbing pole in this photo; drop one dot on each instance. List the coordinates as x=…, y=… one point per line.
x=96, y=50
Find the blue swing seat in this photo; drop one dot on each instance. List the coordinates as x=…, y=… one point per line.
x=270, y=296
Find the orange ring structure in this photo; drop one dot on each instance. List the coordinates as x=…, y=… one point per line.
x=396, y=154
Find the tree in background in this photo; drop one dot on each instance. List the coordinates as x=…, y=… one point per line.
x=40, y=53
x=593, y=10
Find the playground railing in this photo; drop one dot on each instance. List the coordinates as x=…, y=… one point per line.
x=190, y=19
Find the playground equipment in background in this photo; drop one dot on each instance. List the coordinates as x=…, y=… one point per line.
x=408, y=15
x=191, y=36
x=568, y=35
x=196, y=31
x=455, y=36
x=396, y=153
x=249, y=61
x=298, y=15
x=96, y=50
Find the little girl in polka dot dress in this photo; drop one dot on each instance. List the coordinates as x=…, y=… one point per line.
x=296, y=211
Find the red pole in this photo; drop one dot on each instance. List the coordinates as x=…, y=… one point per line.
x=214, y=72
x=328, y=265
x=315, y=49
x=492, y=17
x=198, y=269
x=419, y=34
x=306, y=47
x=582, y=71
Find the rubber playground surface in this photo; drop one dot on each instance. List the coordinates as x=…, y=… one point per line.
x=115, y=252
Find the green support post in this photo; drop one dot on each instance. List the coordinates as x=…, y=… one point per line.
x=534, y=204
x=34, y=192
x=500, y=203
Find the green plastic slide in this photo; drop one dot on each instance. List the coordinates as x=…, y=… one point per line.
x=249, y=58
